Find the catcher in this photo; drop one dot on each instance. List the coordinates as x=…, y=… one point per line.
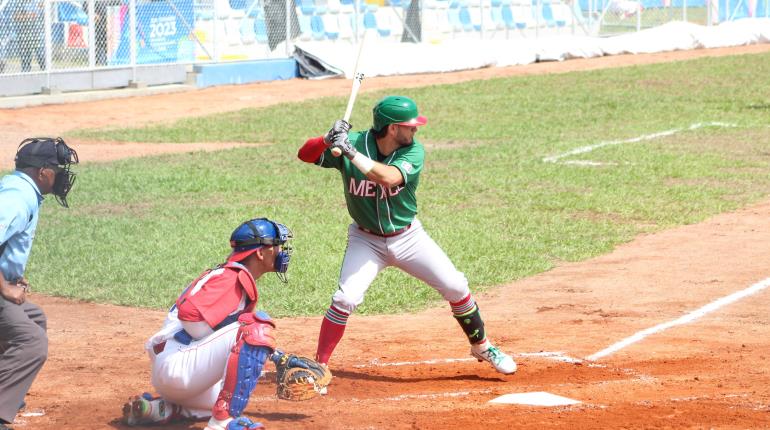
x=209, y=355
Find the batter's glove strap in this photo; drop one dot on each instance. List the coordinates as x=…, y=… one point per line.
x=340, y=126
x=342, y=142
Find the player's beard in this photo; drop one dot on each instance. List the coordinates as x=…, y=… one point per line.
x=404, y=139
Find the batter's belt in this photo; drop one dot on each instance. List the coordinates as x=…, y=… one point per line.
x=395, y=233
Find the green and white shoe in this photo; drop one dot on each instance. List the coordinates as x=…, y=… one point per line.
x=501, y=361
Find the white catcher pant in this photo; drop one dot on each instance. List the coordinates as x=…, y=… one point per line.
x=191, y=376
x=413, y=251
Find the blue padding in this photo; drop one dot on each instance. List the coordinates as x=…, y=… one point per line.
x=243, y=72
x=763, y=9
x=250, y=362
x=733, y=9
x=71, y=12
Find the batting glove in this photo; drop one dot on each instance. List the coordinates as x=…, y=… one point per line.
x=342, y=142
x=340, y=126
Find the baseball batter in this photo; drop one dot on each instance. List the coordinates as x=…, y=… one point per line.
x=208, y=356
x=380, y=172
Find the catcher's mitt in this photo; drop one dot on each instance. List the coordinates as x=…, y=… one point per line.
x=299, y=378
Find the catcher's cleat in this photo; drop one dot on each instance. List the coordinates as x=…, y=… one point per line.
x=325, y=390
x=148, y=410
x=240, y=423
x=501, y=361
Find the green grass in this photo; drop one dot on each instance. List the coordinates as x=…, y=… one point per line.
x=139, y=230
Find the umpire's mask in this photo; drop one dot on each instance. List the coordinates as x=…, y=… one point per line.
x=51, y=153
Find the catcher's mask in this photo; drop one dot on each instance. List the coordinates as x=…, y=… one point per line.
x=50, y=153
x=260, y=232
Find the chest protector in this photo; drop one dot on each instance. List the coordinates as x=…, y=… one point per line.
x=219, y=299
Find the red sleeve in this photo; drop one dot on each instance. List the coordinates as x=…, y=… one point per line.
x=312, y=149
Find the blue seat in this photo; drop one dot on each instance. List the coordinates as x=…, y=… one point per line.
x=507, y=16
x=260, y=30
x=331, y=26
x=317, y=27
x=453, y=13
x=370, y=21
x=306, y=32
x=763, y=11
x=307, y=7
x=547, y=14
x=465, y=18
x=72, y=13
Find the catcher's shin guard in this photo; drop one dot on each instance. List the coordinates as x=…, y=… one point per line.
x=467, y=314
x=255, y=342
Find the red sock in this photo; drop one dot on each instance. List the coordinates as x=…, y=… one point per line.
x=332, y=329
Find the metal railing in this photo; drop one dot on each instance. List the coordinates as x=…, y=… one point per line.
x=47, y=37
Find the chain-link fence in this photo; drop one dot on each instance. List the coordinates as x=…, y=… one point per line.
x=58, y=36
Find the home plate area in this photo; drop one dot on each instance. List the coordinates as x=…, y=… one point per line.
x=539, y=398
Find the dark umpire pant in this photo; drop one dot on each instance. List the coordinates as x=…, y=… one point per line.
x=23, y=351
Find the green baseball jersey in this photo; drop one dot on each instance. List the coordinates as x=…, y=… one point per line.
x=372, y=206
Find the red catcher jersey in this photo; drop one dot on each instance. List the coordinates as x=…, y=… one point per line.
x=218, y=293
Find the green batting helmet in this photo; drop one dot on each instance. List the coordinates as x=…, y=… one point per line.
x=396, y=110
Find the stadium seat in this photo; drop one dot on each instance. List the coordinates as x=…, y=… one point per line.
x=453, y=13
x=465, y=18
x=306, y=32
x=347, y=6
x=388, y=23
x=333, y=6
x=496, y=21
x=247, y=30
x=369, y=21
x=331, y=26
x=347, y=28
x=475, y=17
x=307, y=7
x=317, y=27
x=547, y=15
x=260, y=30
x=72, y=12
x=511, y=20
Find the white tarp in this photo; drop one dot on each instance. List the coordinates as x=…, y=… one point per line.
x=386, y=57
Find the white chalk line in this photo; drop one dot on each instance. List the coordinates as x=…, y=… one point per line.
x=652, y=136
x=685, y=319
x=556, y=356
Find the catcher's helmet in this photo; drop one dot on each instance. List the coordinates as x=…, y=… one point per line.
x=399, y=110
x=258, y=232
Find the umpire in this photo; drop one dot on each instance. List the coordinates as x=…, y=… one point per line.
x=42, y=167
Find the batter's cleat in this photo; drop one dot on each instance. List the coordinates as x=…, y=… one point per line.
x=240, y=423
x=501, y=361
x=148, y=410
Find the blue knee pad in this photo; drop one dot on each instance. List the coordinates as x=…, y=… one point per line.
x=250, y=362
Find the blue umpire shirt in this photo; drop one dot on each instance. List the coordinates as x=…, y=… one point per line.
x=20, y=201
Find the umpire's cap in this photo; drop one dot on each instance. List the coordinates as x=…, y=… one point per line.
x=255, y=233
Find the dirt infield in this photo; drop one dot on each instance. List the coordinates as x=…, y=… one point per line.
x=413, y=371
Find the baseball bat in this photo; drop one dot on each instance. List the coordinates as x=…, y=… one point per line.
x=358, y=77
